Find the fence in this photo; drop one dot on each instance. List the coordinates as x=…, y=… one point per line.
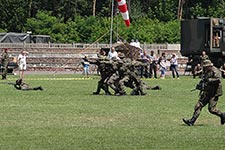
x=84, y=46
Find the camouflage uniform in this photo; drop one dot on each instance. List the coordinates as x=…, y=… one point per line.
x=104, y=73
x=20, y=85
x=210, y=93
x=203, y=58
x=124, y=78
x=114, y=76
x=138, y=83
x=4, y=64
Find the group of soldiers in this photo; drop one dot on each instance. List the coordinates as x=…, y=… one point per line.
x=119, y=74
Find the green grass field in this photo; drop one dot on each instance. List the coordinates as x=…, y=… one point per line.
x=66, y=116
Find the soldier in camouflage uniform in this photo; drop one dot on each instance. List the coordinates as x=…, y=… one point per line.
x=203, y=57
x=20, y=85
x=210, y=93
x=138, y=83
x=124, y=77
x=104, y=70
x=4, y=63
x=114, y=75
x=118, y=74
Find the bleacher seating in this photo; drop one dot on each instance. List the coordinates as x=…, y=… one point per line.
x=61, y=59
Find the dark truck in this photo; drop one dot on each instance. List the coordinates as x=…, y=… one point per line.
x=11, y=66
x=203, y=34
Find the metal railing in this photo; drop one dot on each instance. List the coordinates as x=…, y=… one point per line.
x=84, y=46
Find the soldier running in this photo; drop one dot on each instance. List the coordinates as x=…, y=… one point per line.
x=210, y=92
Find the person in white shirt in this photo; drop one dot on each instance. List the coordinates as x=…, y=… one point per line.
x=173, y=65
x=22, y=63
x=138, y=44
x=113, y=53
x=133, y=43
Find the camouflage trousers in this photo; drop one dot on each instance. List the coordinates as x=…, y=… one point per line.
x=102, y=85
x=205, y=99
x=113, y=82
x=4, y=72
x=123, y=83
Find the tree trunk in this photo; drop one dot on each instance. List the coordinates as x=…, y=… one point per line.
x=30, y=8
x=94, y=7
x=129, y=4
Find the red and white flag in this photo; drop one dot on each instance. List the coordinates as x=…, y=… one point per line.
x=124, y=11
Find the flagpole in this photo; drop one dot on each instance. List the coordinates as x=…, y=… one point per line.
x=111, y=26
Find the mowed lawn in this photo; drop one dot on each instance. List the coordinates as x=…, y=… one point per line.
x=66, y=116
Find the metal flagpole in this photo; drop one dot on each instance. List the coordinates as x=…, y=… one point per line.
x=111, y=26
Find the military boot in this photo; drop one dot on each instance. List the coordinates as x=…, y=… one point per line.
x=108, y=93
x=156, y=88
x=95, y=93
x=38, y=88
x=142, y=92
x=189, y=122
x=134, y=92
x=41, y=88
x=222, y=121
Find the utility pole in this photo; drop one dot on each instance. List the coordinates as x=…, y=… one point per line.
x=111, y=26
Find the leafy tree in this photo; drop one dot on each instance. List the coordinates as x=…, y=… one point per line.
x=152, y=21
x=13, y=15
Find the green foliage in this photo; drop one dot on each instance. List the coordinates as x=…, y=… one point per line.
x=198, y=10
x=72, y=21
x=13, y=15
x=168, y=32
x=163, y=10
x=96, y=29
x=2, y=30
x=89, y=29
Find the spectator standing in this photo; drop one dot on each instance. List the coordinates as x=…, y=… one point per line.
x=22, y=63
x=153, y=65
x=4, y=63
x=144, y=68
x=162, y=65
x=173, y=65
x=85, y=64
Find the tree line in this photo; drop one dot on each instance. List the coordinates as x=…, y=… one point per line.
x=87, y=21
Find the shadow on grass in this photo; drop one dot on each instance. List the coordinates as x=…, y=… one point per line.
x=196, y=125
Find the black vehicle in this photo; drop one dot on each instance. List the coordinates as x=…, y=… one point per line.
x=11, y=67
x=203, y=34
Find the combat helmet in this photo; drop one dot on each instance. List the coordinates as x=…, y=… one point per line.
x=207, y=63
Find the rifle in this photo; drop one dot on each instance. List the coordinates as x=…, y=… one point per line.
x=200, y=86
